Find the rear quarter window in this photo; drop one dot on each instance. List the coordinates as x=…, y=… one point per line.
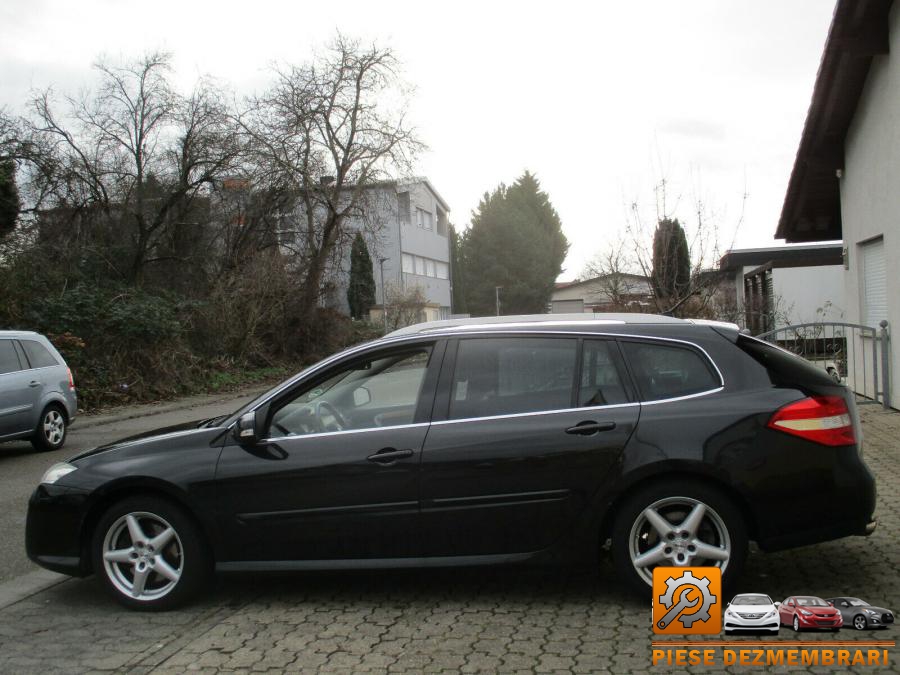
x=782, y=366
x=664, y=370
x=38, y=355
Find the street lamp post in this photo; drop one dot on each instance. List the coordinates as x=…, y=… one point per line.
x=381, y=262
x=497, y=297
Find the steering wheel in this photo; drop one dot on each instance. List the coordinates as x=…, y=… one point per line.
x=323, y=409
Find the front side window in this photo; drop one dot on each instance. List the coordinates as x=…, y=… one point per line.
x=9, y=360
x=502, y=376
x=375, y=393
x=38, y=355
x=663, y=370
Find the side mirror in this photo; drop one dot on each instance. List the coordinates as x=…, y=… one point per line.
x=778, y=604
x=830, y=603
x=246, y=431
x=361, y=396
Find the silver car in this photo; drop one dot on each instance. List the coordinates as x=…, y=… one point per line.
x=37, y=393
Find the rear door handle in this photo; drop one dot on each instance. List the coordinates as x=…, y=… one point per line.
x=590, y=428
x=34, y=383
x=389, y=455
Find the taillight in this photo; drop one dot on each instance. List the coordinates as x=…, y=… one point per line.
x=71, y=379
x=823, y=419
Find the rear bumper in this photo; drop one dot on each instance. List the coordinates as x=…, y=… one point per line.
x=831, y=497
x=53, y=527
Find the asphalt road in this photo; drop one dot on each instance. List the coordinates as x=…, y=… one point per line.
x=21, y=467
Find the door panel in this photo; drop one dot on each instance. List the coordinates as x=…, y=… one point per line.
x=516, y=482
x=338, y=476
x=20, y=392
x=319, y=497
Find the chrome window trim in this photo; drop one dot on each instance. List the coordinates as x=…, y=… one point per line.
x=454, y=332
x=558, y=411
x=342, y=432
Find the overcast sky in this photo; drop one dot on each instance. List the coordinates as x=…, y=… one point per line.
x=599, y=99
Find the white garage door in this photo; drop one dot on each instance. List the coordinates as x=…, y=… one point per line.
x=874, y=282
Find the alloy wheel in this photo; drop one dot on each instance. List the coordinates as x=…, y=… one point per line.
x=143, y=556
x=54, y=427
x=859, y=622
x=678, y=532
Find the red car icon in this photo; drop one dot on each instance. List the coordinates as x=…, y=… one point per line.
x=804, y=612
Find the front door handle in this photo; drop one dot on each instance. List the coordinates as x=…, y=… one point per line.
x=34, y=383
x=590, y=428
x=389, y=455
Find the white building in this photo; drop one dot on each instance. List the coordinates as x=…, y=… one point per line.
x=406, y=228
x=785, y=285
x=605, y=293
x=845, y=183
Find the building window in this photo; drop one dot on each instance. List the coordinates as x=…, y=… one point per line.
x=408, y=263
x=424, y=219
x=873, y=283
x=403, y=207
x=420, y=266
x=442, y=224
x=442, y=269
x=429, y=268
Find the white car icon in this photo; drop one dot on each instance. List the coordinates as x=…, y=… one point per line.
x=751, y=611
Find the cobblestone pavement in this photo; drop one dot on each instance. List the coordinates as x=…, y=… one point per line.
x=492, y=620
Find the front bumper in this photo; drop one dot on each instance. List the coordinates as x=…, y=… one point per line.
x=817, y=622
x=53, y=529
x=733, y=621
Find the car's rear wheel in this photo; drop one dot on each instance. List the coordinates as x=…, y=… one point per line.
x=679, y=524
x=859, y=622
x=149, y=554
x=51, y=430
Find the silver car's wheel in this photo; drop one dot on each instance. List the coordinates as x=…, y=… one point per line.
x=677, y=523
x=142, y=556
x=859, y=622
x=150, y=553
x=51, y=430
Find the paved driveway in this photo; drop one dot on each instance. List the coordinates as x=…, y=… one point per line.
x=506, y=620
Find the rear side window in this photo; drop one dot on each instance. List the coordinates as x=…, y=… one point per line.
x=9, y=360
x=601, y=381
x=502, y=376
x=38, y=355
x=782, y=366
x=663, y=370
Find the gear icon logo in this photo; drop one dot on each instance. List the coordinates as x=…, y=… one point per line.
x=686, y=600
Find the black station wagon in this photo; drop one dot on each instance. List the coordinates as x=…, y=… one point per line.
x=480, y=441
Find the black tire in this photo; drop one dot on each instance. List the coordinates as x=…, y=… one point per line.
x=722, y=525
x=52, y=428
x=183, y=554
x=796, y=624
x=856, y=623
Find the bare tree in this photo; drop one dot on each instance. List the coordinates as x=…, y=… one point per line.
x=324, y=133
x=699, y=296
x=613, y=268
x=133, y=153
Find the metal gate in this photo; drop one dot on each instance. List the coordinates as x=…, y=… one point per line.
x=853, y=354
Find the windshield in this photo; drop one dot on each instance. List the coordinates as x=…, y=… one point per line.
x=811, y=602
x=856, y=602
x=751, y=600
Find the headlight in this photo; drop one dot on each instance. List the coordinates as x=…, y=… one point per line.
x=806, y=612
x=770, y=614
x=57, y=471
x=872, y=612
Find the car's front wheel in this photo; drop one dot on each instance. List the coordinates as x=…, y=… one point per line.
x=859, y=622
x=149, y=554
x=51, y=430
x=679, y=524
x=796, y=625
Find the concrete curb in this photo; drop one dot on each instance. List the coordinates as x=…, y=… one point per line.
x=22, y=587
x=149, y=409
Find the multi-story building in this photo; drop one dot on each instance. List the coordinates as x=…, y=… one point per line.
x=406, y=227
